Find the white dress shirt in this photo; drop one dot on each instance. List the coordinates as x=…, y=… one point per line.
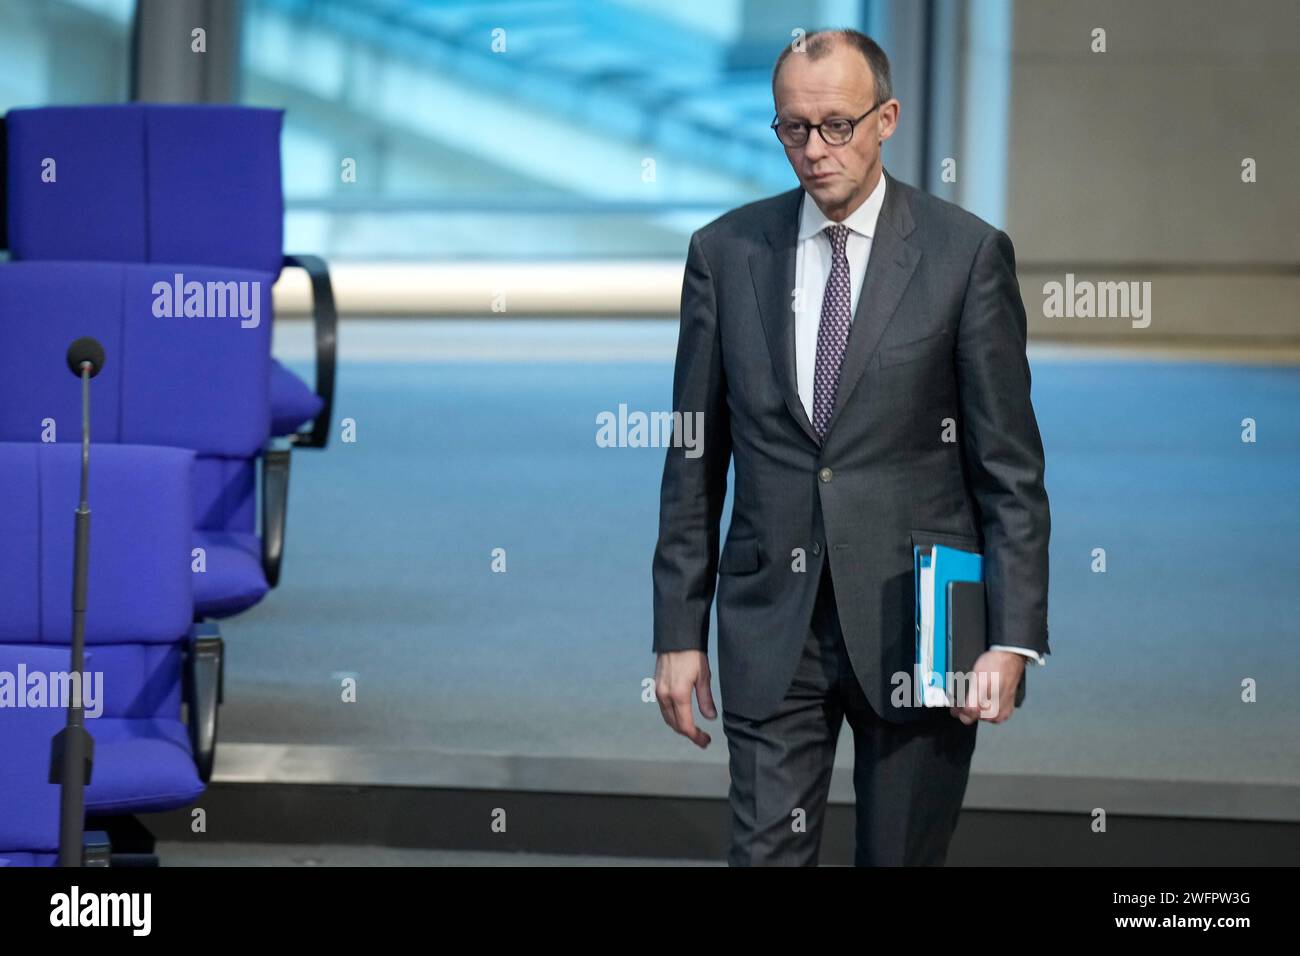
x=813, y=267
x=811, y=271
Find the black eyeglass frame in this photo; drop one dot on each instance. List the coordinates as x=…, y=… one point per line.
x=853, y=127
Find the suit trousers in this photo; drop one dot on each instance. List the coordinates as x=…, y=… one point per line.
x=909, y=779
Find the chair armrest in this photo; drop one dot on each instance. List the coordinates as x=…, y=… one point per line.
x=275, y=510
x=325, y=317
x=204, y=692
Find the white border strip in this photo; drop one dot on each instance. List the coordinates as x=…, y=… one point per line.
x=354, y=766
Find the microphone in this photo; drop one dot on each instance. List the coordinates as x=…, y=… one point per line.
x=85, y=349
x=72, y=751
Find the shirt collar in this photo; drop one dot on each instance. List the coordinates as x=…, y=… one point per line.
x=862, y=220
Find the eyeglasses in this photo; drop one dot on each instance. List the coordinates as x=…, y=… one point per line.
x=835, y=131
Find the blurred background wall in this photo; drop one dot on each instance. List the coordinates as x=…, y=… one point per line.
x=1128, y=163
x=597, y=134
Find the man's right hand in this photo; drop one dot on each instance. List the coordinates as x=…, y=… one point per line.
x=677, y=674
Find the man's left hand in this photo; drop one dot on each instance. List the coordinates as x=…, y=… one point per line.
x=991, y=695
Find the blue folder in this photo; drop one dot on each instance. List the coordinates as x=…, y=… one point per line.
x=948, y=564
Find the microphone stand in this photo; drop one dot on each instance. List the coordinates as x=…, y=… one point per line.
x=72, y=750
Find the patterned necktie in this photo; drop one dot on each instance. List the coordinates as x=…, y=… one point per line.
x=833, y=331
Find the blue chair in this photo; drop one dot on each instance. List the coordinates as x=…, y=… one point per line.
x=168, y=183
x=187, y=382
x=180, y=184
x=140, y=633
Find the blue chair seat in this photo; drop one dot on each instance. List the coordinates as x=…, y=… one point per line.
x=234, y=579
x=28, y=859
x=142, y=765
x=293, y=403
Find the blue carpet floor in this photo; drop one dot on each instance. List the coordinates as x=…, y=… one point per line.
x=388, y=573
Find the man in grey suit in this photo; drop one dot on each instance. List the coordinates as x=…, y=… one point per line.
x=856, y=348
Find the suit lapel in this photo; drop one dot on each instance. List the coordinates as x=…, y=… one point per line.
x=772, y=269
x=889, y=269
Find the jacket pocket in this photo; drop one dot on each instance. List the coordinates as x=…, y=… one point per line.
x=740, y=556
x=962, y=542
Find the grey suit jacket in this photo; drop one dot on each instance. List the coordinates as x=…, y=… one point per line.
x=936, y=350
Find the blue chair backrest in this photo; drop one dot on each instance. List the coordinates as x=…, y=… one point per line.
x=145, y=182
x=140, y=584
x=200, y=382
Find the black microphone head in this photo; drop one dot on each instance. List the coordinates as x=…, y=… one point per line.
x=86, y=349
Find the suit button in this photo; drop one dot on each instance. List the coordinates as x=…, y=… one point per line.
x=817, y=547
x=825, y=474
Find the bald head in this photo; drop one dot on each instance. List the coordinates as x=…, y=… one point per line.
x=820, y=43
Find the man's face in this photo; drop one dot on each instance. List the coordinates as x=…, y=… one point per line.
x=839, y=84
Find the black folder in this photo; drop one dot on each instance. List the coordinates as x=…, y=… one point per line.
x=968, y=629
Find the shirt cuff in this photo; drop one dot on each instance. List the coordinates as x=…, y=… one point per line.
x=1026, y=651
